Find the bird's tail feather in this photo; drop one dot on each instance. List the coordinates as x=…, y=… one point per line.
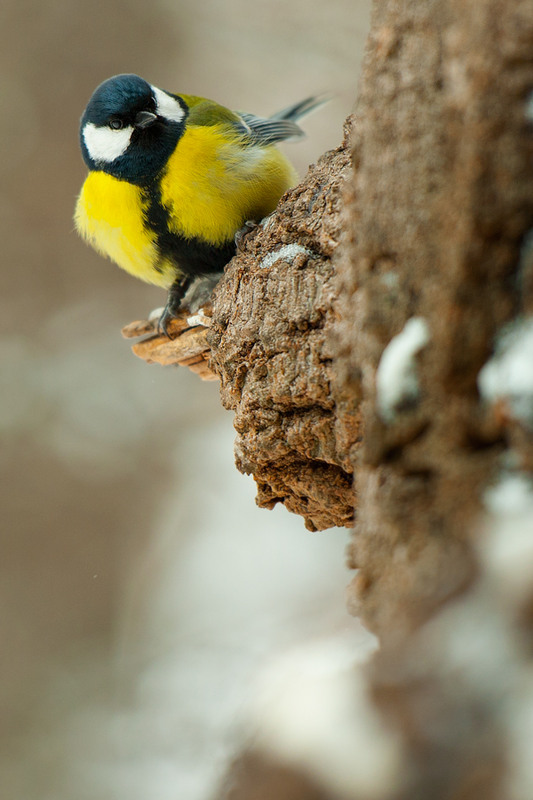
x=304, y=107
x=282, y=127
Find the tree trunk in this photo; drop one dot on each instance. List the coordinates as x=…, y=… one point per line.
x=437, y=260
x=442, y=200
x=378, y=325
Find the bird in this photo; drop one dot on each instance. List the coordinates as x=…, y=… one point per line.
x=175, y=180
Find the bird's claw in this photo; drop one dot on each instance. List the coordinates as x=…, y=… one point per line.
x=164, y=320
x=175, y=296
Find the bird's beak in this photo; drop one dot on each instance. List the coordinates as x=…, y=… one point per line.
x=144, y=118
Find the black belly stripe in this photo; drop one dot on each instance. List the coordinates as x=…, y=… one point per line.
x=190, y=256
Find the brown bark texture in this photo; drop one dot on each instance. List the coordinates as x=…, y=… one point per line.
x=440, y=206
x=435, y=289
x=188, y=346
x=434, y=347
x=273, y=317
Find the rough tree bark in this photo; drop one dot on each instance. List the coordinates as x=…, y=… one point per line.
x=408, y=345
x=270, y=336
x=440, y=212
x=271, y=345
x=441, y=202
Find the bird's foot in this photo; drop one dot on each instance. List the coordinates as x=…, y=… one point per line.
x=200, y=291
x=190, y=294
x=175, y=296
x=169, y=313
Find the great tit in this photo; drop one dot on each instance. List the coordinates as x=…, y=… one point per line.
x=173, y=178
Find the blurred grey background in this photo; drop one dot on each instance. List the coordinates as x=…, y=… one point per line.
x=140, y=587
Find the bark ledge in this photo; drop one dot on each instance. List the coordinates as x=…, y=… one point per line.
x=271, y=345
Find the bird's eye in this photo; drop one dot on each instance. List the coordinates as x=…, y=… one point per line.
x=115, y=124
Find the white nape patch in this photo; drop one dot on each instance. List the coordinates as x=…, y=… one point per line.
x=166, y=106
x=286, y=253
x=508, y=375
x=396, y=379
x=105, y=144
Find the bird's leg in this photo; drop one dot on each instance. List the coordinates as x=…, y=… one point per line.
x=201, y=290
x=176, y=294
x=248, y=226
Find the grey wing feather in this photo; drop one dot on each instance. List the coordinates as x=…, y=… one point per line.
x=282, y=126
x=268, y=131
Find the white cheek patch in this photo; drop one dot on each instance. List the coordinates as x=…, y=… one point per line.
x=105, y=144
x=166, y=106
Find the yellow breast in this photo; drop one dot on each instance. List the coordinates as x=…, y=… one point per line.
x=212, y=184
x=109, y=214
x=210, y=187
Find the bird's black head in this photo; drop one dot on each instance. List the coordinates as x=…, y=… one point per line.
x=130, y=128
